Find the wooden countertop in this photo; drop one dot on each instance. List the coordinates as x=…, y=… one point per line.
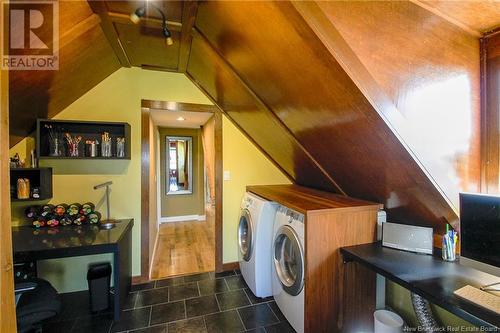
x=303, y=199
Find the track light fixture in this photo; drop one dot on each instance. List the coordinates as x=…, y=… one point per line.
x=136, y=16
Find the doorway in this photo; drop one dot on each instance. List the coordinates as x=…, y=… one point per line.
x=181, y=167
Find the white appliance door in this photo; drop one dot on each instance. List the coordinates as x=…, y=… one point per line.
x=245, y=235
x=288, y=257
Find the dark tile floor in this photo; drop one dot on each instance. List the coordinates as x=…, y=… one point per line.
x=200, y=303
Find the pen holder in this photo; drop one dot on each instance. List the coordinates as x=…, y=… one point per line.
x=106, y=149
x=448, y=251
x=120, y=148
x=55, y=147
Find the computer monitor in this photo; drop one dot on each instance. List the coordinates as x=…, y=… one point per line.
x=480, y=232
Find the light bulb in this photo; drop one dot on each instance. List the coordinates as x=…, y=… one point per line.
x=135, y=18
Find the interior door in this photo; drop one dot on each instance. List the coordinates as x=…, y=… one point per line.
x=245, y=235
x=289, y=260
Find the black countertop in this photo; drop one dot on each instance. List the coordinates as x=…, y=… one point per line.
x=26, y=239
x=428, y=276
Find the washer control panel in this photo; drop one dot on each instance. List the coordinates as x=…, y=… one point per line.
x=291, y=215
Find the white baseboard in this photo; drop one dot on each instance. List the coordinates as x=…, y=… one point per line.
x=182, y=218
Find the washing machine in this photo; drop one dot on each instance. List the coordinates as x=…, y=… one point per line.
x=288, y=265
x=255, y=237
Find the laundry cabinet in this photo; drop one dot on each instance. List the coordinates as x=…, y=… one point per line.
x=312, y=271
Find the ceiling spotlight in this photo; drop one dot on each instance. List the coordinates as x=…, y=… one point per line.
x=181, y=119
x=168, y=36
x=136, y=16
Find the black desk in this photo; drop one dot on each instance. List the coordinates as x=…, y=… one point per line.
x=429, y=277
x=30, y=244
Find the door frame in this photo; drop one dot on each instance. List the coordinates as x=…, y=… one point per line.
x=146, y=105
x=8, y=313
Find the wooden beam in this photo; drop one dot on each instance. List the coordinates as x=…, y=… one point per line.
x=158, y=68
x=189, y=10
x=99, y=7
x=8, y=309
x=448, y=18
x=146, y=21
x=178, y=106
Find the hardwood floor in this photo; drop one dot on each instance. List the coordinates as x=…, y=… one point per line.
x=184, y=248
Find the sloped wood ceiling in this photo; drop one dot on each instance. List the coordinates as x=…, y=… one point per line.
x=288, y=78
x=96, y=39
x=143, y=44
x=86, y=58
x=474, y=16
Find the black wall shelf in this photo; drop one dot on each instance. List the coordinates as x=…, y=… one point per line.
x=38, y=177
x=88, y=130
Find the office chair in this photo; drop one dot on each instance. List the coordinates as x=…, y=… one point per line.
x=36, y=301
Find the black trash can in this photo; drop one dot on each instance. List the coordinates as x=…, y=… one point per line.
x=99, y=279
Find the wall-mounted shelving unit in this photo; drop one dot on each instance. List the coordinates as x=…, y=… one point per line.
x=88, y=130
x=40, y=178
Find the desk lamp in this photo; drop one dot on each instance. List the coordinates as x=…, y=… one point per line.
x=107, y=185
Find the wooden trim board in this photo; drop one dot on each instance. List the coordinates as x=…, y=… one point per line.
x=230, y=266
x=8, y=310
x=145, y=156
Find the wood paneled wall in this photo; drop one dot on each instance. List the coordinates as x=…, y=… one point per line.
x=214, y=76
x=429, y=70
x=490, y=69
x=277, y=75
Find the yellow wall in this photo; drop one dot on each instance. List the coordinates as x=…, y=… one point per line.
x=183, y=204
x=247, y=166
x=117, y=98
